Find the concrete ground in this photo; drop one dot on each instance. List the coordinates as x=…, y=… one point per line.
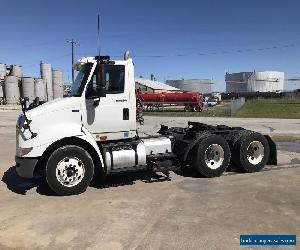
x=153, y=211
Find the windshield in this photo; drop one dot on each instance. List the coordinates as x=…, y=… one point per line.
x=81, y=78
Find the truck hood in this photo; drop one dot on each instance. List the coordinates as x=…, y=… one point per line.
x=50, y=122
x=54, y=106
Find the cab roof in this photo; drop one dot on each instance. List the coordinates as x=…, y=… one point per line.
x=84, y=60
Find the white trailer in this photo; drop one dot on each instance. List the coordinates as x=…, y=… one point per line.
x=93, y=130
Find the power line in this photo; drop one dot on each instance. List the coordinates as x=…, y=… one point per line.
x=207, y=53
x=247, y=50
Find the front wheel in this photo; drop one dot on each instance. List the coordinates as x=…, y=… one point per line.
x=69, y=170
x=212, y=156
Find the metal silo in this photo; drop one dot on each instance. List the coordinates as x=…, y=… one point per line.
x=27, y=89
x=40, y=89
x=57, y=81
x=2, y=76
x=11, y=86
x=1, y=91
x=17, y=71
x=2, y=71
x=46, y=74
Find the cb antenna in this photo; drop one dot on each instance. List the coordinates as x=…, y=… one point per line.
x=99, y=70
x=98, y=37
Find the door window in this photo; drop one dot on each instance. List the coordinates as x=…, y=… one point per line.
x=114, y=78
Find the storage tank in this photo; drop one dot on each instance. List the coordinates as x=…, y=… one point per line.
x=46, y=74
x=237, y=82
x=57, y=82
x=2, y=76
x=264, y=81
x=11, y=86
x=169, y=97
x=1, y=90
x=193, y=85
x=27, y=88
x=2, y=71
x=17, y=71
x=180, y=99
x=40, y=89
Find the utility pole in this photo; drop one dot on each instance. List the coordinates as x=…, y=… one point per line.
x=72, y=42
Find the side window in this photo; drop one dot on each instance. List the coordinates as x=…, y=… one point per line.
x=114, y=77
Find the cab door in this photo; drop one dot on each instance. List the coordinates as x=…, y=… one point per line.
x=108, y=116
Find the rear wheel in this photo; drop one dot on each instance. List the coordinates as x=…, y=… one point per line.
x=251, y=152
x=187, y=109
x=212, y=156
x=196, y=108
x=69, y=170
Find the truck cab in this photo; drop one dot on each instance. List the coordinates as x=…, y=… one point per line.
x=99, y=125
x=118, y=103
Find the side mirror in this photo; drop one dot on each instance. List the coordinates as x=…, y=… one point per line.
x=100, y=83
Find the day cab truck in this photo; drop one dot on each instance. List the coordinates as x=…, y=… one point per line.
x=93, y=130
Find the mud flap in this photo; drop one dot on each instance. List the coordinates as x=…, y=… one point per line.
x=273, y=152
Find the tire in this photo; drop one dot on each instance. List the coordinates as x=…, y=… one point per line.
x=69, y=170
x=251, y=152
x=187, y=109
x=211, y=156
x=197, y=108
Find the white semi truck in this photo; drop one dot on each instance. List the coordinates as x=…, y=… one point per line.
x=95, y=129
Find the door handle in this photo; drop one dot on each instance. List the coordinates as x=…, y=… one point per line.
x=96, y=101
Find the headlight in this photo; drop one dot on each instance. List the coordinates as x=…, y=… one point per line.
x=23, y=151
x=20, y=121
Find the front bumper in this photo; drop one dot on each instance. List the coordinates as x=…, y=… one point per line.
x=25, y=166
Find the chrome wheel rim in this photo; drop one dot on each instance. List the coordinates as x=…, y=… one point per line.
x=214, y=156
x=255, y=152
x=70, y=171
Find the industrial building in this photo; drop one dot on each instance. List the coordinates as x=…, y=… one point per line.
x=265, y=81
x=146, y=85
x=196, y=85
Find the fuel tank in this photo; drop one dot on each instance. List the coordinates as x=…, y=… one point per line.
x=134, y=154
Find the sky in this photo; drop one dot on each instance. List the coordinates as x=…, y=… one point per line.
x=171, y=39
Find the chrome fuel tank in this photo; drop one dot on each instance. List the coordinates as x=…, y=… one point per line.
x=124, y=156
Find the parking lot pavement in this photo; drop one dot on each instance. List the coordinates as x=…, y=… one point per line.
x=147, y=210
